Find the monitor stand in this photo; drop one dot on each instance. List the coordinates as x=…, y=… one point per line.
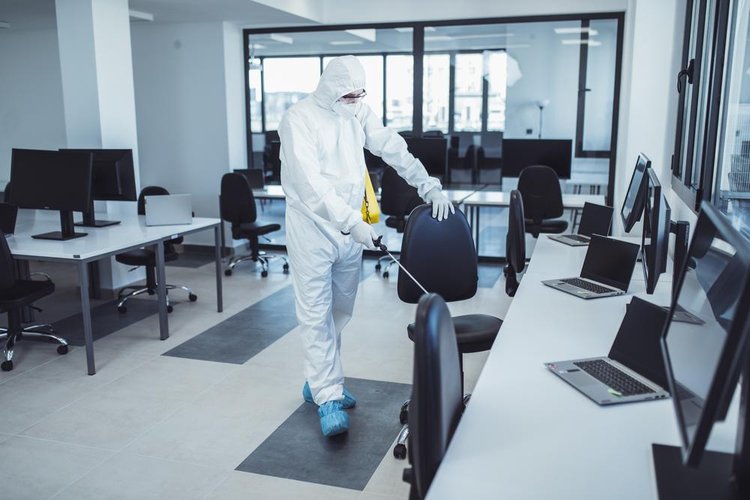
x=66, y=224
x=90, y=221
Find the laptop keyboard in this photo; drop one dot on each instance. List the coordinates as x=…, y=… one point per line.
x=613, y=378
x=586, y=285
x=577, y=237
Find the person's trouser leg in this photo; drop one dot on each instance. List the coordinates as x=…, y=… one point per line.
x=345, y=282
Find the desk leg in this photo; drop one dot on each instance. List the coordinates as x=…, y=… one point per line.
x=161, y=288
x=476, y=217
x=83, y=278
x=219, y=293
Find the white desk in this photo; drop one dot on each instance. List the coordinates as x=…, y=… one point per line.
x=275, y=192
x=101, y=243
x=481, y=199
x=526, y=434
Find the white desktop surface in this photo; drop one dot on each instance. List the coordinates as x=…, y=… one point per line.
x=526, y=434
x=270, y=192
x=502, y=199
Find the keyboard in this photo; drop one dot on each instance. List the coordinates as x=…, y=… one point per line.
x=587, y=285
x=613, y=377
x=578, y=237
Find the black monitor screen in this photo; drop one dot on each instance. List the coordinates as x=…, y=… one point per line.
x=521, y=153
x=655, y=236
x=632, y=206
x=431, y=151
x=596, y=219
x=113, y=176
x=51, y=180
x=702, y=358
x=610, y=261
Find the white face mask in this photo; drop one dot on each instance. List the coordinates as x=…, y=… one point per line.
x=346, y=110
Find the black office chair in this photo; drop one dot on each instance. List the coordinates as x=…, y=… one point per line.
x=542, y=200
x=147, y=257
x=489, y=165
x=442, y=257
x=237, y=206
x=515, y=243
x=433, y=133
x=397, y=199
x=15, y=294
x=469, y=163
x=436, y=398
x=6, y=192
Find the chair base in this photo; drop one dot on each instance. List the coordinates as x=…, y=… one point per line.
x=261, y=257
x=38, y=331
x=379, y=265
x=122, y=297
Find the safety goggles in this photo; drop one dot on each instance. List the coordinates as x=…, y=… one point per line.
x=352, y=97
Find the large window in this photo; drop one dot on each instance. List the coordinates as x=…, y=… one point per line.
x=467, y=113
x=436, y=91
x=399, y=91
x=281, y=90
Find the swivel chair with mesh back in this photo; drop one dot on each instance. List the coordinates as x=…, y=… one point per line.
x=436, y=398
x=426, y=247
x=397, y=200
x=147, y=257
x=515, y=243
x=542, y=200
x=237, y=206
x=15, y=294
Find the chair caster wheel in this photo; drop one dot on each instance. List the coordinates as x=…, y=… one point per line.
x=7, y=366
x=403, y=417
x=399, y=451
x=193, y=297
x=286, y=268
x=385, y=275
x=227, y=272
x=62, y=349
x=170, y=309
x=264, y=273
x=151, y=292
x=122, y=309
x=377, y=267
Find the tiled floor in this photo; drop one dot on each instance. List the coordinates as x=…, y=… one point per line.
x=154, y=426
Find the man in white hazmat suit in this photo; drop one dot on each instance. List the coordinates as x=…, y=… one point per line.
x=323, y=177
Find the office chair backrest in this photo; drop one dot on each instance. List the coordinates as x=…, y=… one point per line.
x=236, y=200
x=542, y=197
x=7, y=265
x=148, y=191
x=6, y=192
x=441, y=256
x=480, y=157
x=470, y=157
x=455, y=141
x=437, y=400
x=397, y=197
x=515, y=247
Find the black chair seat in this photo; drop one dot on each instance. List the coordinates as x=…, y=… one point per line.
x=250, y=229
x=24, y=292
x=143, y=257
x=554, y=226
x=474, y=332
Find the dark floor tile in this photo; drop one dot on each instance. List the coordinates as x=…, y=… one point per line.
x=489, y=274
x=105, y=319
x=297, y=449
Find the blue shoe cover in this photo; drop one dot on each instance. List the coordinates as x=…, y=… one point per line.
x=349, y=401
x=333, y=419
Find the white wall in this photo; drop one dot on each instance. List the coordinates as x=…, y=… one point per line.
x=181, y=109
x=234, y=80
x=31, y=102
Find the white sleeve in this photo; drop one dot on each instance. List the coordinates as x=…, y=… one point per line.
x=301, y=172
x=391, y=147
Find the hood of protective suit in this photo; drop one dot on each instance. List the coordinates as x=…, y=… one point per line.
x=342, y=76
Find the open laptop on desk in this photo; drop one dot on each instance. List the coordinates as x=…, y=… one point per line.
x=606, y=270
x=596, y=219
x=168, y=209
x=633, y=370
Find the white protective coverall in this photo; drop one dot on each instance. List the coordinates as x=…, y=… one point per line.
x=323, y=176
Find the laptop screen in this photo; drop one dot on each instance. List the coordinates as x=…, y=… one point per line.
x=637, y=343
x=610, y=261
x=596, y=219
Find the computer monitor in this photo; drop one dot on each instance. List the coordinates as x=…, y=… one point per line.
x=655, y=235
x=632, y=206
x=521, y=153
x=704, y=361
x=112, y=179
x=52, y=180
x=432, y=152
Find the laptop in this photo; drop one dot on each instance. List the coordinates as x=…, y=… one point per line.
x=634, y=368
x=168, y=209
x=8, y=215
x=596, y=219
x=606, y=270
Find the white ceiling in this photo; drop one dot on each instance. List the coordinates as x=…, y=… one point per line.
x=39, y=14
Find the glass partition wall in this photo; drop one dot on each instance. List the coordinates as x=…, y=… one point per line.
x=477, y=83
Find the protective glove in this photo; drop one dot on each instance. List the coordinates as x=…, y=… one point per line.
x=440, y=204
x=363, y=233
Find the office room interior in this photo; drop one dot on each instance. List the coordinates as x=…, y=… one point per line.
x=167, y=355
